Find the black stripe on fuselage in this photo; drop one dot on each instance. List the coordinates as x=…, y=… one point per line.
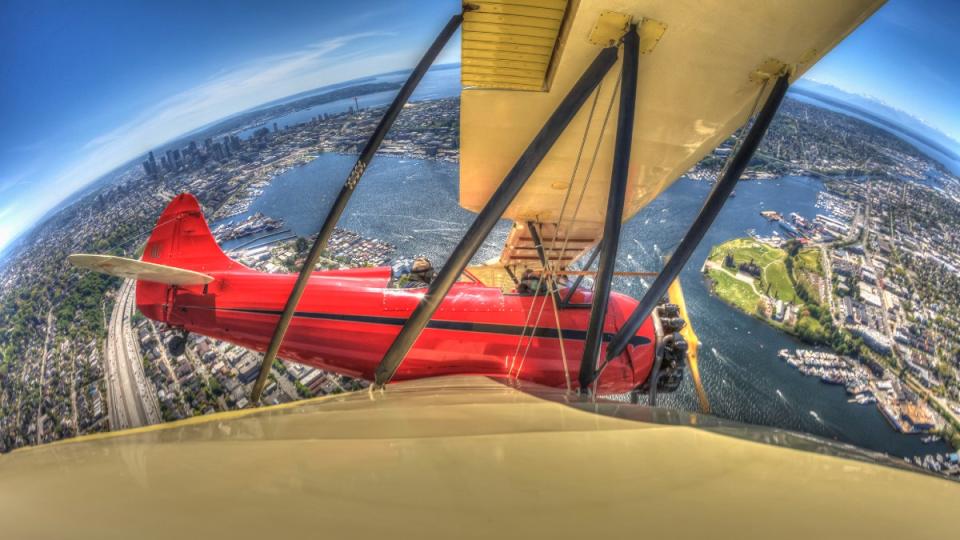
x=464, y=326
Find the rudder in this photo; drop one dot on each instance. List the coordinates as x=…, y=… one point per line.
x=182, y=239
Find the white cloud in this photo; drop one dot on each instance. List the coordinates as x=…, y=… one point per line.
x=12, y=181
x=223, y=94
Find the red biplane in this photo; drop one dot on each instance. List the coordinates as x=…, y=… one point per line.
x=347, y=319
x=574, y=116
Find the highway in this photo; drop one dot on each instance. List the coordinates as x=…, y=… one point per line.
x=131, y=400
x=43, y=375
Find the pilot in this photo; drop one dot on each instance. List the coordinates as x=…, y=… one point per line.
x=529, y=282
x=421, y=272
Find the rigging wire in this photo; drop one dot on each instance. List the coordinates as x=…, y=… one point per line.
x=547, y=295
x=593, y=161
x=523, y=331
x=566, y=238
x=545, y=272
x=552, y=284
x=576, y=211
x=563, y=351
x=573, y=173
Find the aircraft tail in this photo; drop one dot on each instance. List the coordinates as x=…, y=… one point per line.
x=182, y=239
x=180, y=253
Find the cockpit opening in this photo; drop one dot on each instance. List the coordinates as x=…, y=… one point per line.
x=412, y=274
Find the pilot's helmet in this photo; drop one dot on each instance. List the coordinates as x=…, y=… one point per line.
x=421, y=265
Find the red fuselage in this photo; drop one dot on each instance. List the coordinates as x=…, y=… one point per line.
x=347, y=319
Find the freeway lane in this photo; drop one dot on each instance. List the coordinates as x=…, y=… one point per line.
x=132, y=402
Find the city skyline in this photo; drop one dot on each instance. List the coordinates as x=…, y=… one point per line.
x=74, y=115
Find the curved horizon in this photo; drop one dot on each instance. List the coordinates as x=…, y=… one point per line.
x=61, y=139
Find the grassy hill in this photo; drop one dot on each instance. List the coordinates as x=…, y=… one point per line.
x=774, y=284
x=734, y=291
x=774, y=280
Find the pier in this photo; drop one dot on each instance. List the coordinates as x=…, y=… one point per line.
x=903, y=409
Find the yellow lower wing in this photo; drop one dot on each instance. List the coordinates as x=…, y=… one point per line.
x=471, y=458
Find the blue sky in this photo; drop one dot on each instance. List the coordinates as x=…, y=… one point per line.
x=87, y=86
x=905, y=56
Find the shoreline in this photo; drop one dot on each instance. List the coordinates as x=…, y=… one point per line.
x=882, y=405
x=244, y=197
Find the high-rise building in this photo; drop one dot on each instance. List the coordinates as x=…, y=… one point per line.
x=150, y=165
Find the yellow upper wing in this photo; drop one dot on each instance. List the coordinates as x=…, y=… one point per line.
x=700, y=75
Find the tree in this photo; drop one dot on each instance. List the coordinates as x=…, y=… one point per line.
x=301, y=244
x=215, y=387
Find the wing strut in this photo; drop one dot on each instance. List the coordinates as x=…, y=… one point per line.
x=721, y=191
x=614, y=217
x=494, y=208
x=373, y=144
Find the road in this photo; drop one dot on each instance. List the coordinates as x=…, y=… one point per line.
x=286, y=385
x=43, y=375
x=131, y=400
x=887, y=331
x=827, y=288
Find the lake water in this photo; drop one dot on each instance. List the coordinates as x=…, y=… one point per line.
x=742, y=374
x=413, y=204
x=407, y=202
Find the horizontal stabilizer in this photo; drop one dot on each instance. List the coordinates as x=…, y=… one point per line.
x=139, y=270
